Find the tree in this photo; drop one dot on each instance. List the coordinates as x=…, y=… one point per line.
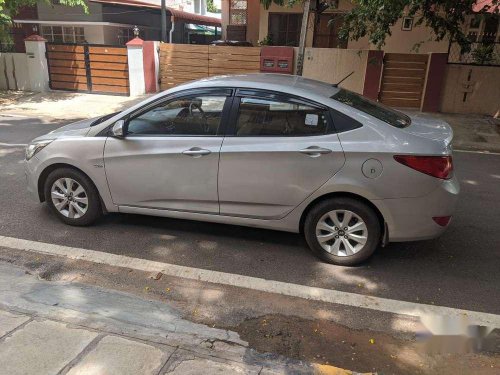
x=211, y=7
x=9, y=8
x=374, y=18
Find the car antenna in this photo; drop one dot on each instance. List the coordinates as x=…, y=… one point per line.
x=343, y=79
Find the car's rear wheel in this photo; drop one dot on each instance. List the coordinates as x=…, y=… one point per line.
x=72, y=197
x=342, y=231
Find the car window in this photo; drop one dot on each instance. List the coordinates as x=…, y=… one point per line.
x=196, y=115
x=262, y=117
x=386, y=114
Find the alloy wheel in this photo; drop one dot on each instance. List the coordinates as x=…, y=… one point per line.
x=69, y=198
x=341, y=232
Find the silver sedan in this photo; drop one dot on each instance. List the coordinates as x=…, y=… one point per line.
x=261, y=150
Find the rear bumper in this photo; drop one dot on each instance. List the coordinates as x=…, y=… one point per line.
x=410, y=219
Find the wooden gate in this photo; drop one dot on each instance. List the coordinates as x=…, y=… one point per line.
x=181, y=63
x=88, y=68
x=403, y=79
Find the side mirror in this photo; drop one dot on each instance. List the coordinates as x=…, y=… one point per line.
x=118, y=129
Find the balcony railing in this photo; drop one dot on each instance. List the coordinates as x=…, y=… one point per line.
x=481, y=53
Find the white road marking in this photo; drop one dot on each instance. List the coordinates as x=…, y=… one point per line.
x=270, y=286
x=13, y=115
x=12, y=144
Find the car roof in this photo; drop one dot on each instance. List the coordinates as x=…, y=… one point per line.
x=285, y=83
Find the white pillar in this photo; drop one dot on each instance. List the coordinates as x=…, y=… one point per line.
x=157, y=64
x=38, y=70
x=136, y=67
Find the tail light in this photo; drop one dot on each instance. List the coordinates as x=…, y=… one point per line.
x=435, y=166
x=442, y=220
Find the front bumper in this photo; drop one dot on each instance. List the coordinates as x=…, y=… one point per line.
x=32, y=177
x=410, y=219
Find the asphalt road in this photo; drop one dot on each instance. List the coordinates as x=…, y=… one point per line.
x=461, y=269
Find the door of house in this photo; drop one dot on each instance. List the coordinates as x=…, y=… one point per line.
x=403, y=79
x=88, y=68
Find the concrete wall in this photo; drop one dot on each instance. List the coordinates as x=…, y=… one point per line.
x=479, y=84
x=50, y=12
x=332, y=64
x=14, y=72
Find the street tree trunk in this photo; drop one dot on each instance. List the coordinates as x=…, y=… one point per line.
x=303, y=34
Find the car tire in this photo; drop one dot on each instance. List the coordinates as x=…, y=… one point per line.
x=81, y=209
x=331, y=242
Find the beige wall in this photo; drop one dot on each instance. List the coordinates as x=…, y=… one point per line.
x=14, y=72
x=483, y=90
x=399, y=42
x=404, y=41
x=224, y=17
x=253, y=20
x=263, y=24
x=332, y=64
x=94, y=34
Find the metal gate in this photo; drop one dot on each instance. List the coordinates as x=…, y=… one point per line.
x=403, y=79
x=88, y=68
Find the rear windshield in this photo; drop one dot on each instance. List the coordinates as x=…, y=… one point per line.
x=386, y=114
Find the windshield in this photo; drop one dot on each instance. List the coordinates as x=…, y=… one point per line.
x=103, y=118
x=386, y=114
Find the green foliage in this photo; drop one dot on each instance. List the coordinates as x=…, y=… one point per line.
x=374, y=18
x=484, y=54
x=267, y=41
x=211, y=7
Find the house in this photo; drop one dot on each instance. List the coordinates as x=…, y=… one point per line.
x=111, y=22
x=249, y=20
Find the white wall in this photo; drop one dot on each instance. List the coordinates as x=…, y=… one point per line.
x=14, y=72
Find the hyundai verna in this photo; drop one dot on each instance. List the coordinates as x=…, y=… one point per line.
x=262, y=150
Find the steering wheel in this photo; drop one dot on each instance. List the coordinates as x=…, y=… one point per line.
x=205, y=126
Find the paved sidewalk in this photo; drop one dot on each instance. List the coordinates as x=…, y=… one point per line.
x=62, y=105
x=70, y=328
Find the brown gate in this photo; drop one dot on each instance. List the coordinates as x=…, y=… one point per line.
x=88, y=68
x=181, y=63
x=403, y=79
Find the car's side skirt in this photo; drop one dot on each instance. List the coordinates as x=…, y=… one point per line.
x=282, y=225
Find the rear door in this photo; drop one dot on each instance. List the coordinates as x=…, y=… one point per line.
x=278, y=150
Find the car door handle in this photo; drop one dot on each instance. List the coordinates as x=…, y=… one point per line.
x=315, y=151
x=196, y=152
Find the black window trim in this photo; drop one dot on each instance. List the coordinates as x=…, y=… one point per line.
x=278, y=96
x=228, y=92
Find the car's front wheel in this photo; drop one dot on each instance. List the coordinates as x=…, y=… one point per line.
x=72, y=197
x=342, y=231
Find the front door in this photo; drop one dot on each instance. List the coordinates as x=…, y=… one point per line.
x=279, y=151
x=169, y=157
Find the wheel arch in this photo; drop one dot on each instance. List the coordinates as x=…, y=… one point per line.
x=328, y=196
x=49, y=169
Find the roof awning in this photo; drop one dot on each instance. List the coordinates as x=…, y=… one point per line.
x=177, y=14
x=73, y=23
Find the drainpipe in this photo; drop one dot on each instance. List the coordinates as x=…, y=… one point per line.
x=172, y=23
x=163, y=16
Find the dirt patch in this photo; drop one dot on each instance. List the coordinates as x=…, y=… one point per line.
x=326, y=342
